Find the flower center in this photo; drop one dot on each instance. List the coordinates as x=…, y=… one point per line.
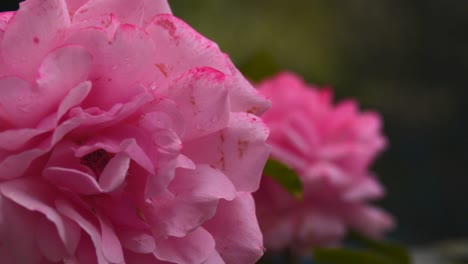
x=97, y=160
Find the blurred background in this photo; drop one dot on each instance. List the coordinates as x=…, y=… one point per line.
x=405, y=59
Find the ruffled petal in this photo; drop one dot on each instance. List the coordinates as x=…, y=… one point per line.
x=37, y=197
x=18, y=227
x=239, y=151
x=236, y=231
x=369, y=220
x=203, y=101
x=195, y=247
x=41, y=24
x=193, y=198
x=176, y=42
x=136, y=12
x=83, y=220
x=119, y=73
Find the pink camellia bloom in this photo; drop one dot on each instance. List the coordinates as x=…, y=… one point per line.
x=125, y=137
x=330, y=148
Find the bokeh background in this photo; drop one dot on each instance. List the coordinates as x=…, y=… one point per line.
x=405, y=58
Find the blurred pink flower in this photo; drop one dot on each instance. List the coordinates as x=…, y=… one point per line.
x=125, y=137
x=330, y=148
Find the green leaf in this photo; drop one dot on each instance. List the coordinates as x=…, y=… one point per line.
x=350, y=256
x=284, y=176
x=396, y=252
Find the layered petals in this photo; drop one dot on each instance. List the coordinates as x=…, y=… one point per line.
x=331, y=148
x=106, y=110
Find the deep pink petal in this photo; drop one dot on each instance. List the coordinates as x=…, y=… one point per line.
x=49, y=242
x=17, y=231
x=83, y=220
x=239, y=151
x=41, y=24
x=37, y=197
x=236, y=231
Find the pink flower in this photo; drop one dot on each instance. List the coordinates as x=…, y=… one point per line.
x=330, y=148
x=125, y=137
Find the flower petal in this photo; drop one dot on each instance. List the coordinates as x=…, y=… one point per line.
x=203, y=101
x=181, y=48
x=41, y=24
x=136, y=12
x=37, y=197
x=369, y=220
x=195, y=247
x=236, y=231
x=119, y=73
x=193, y=200
x=239, y=151
x=17, y=230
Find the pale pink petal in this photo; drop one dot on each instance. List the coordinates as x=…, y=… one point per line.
x=25, y=104
x=114, y=173
x=195, y=247
x=153, y=8
x=18, y=103
x=137, y=241
x=72, y=179
x=214, y=258
x=41, y=24
x=4, y=19
x=243, y=97
x=111, y=247
x=235, y=230
x=137, y=12
x=73, y=5
x=367, y=188
x=369, y=220
x=158, y=184
x=15, y=165
x=239, y=151
x=115, y=62
x=204, y=183
x=203, y=101
x=321, y=228
x=193, y=200
x=175, y=42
